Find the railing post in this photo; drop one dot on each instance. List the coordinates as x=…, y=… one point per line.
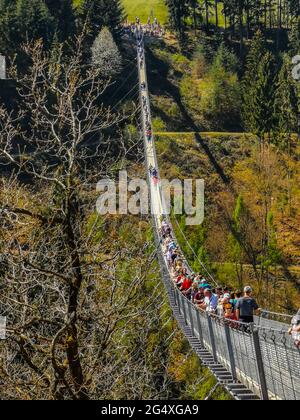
x=175, y=296
x=179, y=302
x=260, y=365
x=183, y=308
x=230, y=351
x=212, y=337
x=191, y=318
x=199, y=328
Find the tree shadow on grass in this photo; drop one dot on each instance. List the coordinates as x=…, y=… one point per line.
x=159, y=84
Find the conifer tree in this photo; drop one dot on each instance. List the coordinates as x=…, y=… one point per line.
x=294, y=38
x=106, y=55
x=262, y=120
x=294, y=8
x=257, y=51
x=286, y=104
x=94, y=15
x=178, y=11
x=227, y=59
x=194, y=11
x=63, y=13
x=22, y=21
x=286, y=113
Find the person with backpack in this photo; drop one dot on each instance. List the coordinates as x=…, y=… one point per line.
x=149, y=135
x=154, y=174
x=246, y=307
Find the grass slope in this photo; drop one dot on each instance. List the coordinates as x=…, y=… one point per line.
x=143, y=9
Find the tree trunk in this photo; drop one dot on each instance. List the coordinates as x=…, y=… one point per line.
x=195, y=19
x=241, y=30
x=265, y=13
x=278, y=34
x=72, y=339
x=206, y=14
x=248, y=21
x=279, y=14
x=216, y=13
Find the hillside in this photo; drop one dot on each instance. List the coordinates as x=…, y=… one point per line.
x=144, y=9
x=194, y=143
x=181, y=156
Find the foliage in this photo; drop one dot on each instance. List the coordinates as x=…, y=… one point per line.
x=254, y=57
x=178, y=11
x=236, y=237
x=22, y=21
x=274, y=255
x=94, y=15
x=260, y=95
x=286, y=105
x=64, y=18
x=158, y=125
x=106, y=55
x=294, y=37
x=215, y=101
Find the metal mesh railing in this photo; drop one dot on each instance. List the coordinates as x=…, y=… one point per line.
x=262, y=359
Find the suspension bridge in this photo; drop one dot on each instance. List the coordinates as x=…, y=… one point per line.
x=256, y=362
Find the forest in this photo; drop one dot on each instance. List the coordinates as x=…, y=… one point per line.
x=87, y=315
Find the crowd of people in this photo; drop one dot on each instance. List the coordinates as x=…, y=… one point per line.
x=153, y=28
x=222, y=301
x=145, y=107
x=148, y=127
x=233, y=305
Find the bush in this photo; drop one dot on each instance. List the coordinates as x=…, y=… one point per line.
x=215, y=99
x=159, y=125
x=181, y=63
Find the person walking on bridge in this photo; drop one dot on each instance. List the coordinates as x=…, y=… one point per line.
x=247, y=307
x=149, y=134
x=294, y=330
x=210, y=301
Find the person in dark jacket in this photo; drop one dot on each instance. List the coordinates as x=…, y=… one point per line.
x=246, y=307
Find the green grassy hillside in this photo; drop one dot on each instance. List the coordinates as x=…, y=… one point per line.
x=143, y=9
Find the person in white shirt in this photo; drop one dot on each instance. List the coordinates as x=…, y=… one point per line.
x=210, y=301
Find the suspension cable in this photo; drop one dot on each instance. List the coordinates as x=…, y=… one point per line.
x=123, y=83
x=194, y=253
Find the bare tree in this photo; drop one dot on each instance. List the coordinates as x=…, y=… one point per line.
x=69, y=292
